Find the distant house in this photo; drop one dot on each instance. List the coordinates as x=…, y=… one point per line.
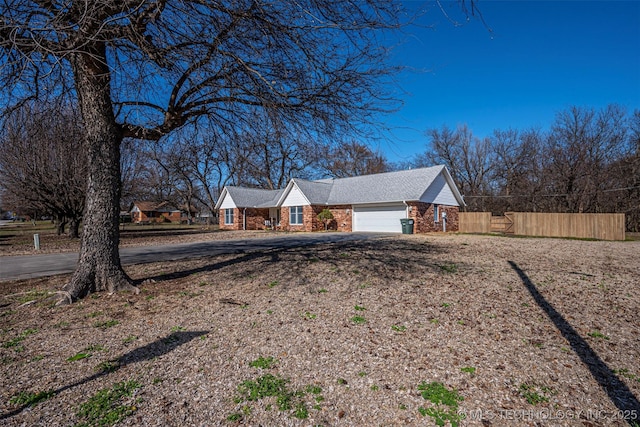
x=374, y=203
x=153, y=212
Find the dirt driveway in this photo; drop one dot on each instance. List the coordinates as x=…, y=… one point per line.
x=401, y=330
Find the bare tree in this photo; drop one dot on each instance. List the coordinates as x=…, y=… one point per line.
x=274, y=153
x=351, y=158
x=581, y=144
x=143, y=68
x=518, y=171
x=469, y=160
x=40, y=169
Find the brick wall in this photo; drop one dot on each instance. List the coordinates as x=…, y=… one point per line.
x=307, y=220
x=422, y=214
x=341, y=218
x=255, y=219
x=237, y=220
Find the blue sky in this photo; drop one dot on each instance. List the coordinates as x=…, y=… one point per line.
x=539, y=58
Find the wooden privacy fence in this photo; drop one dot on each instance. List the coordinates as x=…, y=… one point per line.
x=587, y=226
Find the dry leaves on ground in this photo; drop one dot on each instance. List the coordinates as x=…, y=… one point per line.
x=349, y=334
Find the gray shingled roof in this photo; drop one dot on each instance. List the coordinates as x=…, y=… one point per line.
x=407, y=185
x=254, y=197
x=390, y=187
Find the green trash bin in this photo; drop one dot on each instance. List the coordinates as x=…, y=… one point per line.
x=407, y=226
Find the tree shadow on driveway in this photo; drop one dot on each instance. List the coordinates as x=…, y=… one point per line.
x=155, y=349
x=618, y=392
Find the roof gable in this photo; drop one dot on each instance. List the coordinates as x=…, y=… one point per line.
x=242, y=197
x=390, y=187
x=430, y=185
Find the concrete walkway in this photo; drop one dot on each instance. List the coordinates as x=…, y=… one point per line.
x=30, y=266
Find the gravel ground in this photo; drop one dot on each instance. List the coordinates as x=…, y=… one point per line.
x=354, y=334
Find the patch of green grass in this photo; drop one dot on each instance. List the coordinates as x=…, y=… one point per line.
x=106, y=324
x=398, y=328
x=273, y=284
x=272, y=386
x=434, y=321
x=235, y=417
x=598, y=334
x=29, y=399
x=313, y=389
x=107, y=406
x=322, y=291
x=468, y=369
x=129, y=339
x=310, y=316
x=33, y=296
x=535, y=394
x=107, y=366
x=359, y=308
x=625, y=373
x=448, y=268
x=341, y=381
x=365, y=285
x=79, y=356
x=263, y=362
x=362, y=374
x=445, y=305
x=15, y=342
x=177, y=329
x=374, y=387
x=358, y=320
x=85, y=353
x=444, y=403
x=93, y=314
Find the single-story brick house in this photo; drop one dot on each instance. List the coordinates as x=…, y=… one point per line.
x=363, y=203
x=148, y=212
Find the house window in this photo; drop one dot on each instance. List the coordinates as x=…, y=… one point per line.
x=228, y=216
x=436, y=213
x=295, y=215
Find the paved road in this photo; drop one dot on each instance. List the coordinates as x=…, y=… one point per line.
x=29, y=266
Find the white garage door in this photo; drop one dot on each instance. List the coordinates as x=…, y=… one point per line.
x=379, y=218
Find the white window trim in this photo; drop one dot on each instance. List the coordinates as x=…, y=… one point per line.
x=298, y=214
x=436, y=213
x=228, y=214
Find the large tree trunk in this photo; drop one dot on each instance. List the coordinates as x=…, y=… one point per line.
x=99, y=266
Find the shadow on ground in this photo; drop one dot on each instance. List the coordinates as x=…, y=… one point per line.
x=380, y=257
x=155, y=349
x=617, y=390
